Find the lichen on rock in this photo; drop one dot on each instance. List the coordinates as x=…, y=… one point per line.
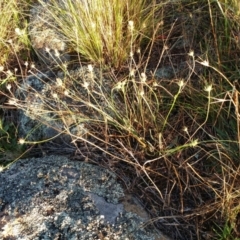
x=56, y=198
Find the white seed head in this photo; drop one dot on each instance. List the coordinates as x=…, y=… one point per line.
x=185, y=129
x=21, y=141
x=143, y=77
x=118, y=86
x=9, y=73
x=1, y=68
x=166, y=47
x=144, y=25
x=208, y=88
x=93, y=25
x=55, y=95
x=131, y=25
x=64, y=66
x=205, y=63
x=66, y=93
x=194, y=143
x=191, y=53
x=56, y=53
x=19, y=32
x=90, y=68
x=181, y=83
x=9, y=87
x=59, y=82
x=86, y=84
x=132, y=72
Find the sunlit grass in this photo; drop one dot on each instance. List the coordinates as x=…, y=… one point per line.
x=98, y=30
x=13, y=36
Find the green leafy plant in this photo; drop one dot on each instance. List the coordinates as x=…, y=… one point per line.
x=225, y=233
x=10, y=149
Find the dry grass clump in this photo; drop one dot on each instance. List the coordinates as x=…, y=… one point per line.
x=8, y=14
x=174, y=142
x=98, y=30
x=13, y=36
x=14, y=49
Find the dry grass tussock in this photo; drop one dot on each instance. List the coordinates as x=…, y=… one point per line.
x=174, y=142
x=12, y=39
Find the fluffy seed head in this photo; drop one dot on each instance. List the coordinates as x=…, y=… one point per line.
x=205, y=63
x=143, y=77
x=131, y=25
x=208, y=88
x=21, y=141
x=90, y=68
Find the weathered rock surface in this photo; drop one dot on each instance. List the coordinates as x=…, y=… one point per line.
x=41, y=117
x=36, y=122
x=49, y=44
x=56, y=198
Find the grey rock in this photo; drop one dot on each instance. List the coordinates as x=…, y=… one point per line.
x=166, y=72
x=40, y=115
x=56, y=198
x=49, y=44
x=36, y=122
